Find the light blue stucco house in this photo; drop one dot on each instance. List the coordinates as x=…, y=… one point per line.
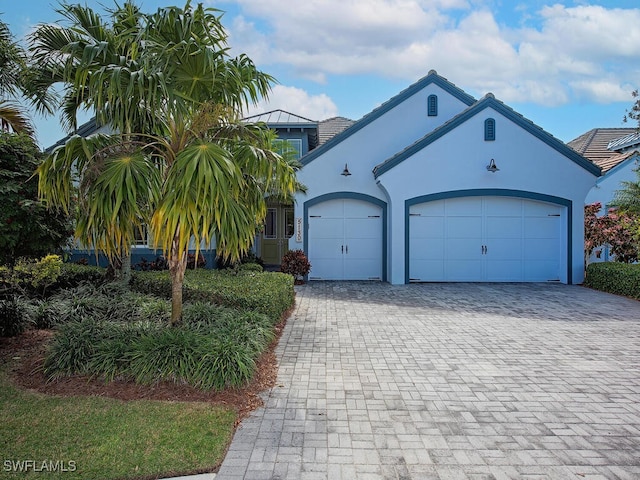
x=435, y=185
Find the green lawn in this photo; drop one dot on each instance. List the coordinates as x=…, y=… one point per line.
x=108, y=439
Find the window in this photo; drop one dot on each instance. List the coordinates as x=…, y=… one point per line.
x=291, y=147
x=432, y=105
x=489, y=130
x=289, y=228
x=271, y=224
x=141, y=236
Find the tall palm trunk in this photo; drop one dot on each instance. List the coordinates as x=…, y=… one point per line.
x=177, y=265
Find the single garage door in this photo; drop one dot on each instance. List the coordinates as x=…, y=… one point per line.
x=345, y=240
x=485, y=239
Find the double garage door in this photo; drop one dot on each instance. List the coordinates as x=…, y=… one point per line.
x=345, y=240
x=490, y=239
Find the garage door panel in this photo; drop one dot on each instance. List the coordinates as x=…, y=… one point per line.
x=504, y=271
x=504, y=249
x=326, y=228
x=326, y=268
x=541, y=209
x=360, y=209
x=503, y=227
x=505, y=205
x=542, y=227
x=427, y=227
x=464, y=227
x=463, y=248
x=463, y=270
x=540, y=249
x=361, y=269
x=330, y=208
x=433, y=270
x=542, y=271
x=428, y=209
x=361, y=248
x=362, y=228
x=427, y=249
x=462, y=207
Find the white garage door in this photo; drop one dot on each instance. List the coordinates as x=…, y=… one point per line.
x=485, y=239
x=345, y=240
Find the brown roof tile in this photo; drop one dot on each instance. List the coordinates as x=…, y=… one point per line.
x=594, y=146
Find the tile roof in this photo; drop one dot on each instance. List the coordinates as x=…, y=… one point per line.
x=329, y=128
x=595, y=143
x=628, y=141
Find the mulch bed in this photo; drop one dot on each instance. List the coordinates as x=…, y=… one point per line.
x=24, y=356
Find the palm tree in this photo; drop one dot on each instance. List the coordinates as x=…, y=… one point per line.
x=181, y=160
x=13, y=65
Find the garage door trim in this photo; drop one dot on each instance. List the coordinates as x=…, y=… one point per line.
x=353, y=196
x=491, y=192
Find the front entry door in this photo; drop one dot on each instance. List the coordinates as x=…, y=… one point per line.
x=278, y=229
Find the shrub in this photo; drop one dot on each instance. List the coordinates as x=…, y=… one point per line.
x=251, y=267
x=73, y=274
x=295, y=263
x=29, y=275
x=14, y=316
x=614, y=277
x=269, y=293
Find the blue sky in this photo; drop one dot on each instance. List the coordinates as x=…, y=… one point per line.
x=568, y=66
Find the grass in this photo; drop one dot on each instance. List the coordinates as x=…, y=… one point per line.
x=107, y=438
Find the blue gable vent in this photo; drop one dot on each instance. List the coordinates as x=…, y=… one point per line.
x=489, y=130
x=432, y=105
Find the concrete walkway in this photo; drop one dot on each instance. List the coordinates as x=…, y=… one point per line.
x=449, y=381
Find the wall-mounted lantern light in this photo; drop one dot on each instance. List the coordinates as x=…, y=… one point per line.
x=345, y=172
x=492, y=166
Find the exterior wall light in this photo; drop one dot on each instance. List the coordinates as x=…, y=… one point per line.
x=492, y=166
x=345, y=172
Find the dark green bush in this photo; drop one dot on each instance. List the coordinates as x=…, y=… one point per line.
x=614, y=277
x=72, y=275
x=251, y=267
x=14, y=316
x=269, y=293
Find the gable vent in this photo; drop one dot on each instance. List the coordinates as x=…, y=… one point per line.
x=489, y=130
x=432, y=105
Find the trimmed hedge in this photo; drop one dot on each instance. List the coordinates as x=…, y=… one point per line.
x=72, y=275
x=614, y=277
x=269, y=293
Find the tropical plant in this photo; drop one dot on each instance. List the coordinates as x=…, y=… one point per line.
x=13, y=65
x=181, y=160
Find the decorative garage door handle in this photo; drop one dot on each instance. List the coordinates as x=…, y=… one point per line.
x=344, y=249
x=483, y=249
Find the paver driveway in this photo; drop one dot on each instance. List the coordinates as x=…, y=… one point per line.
x=449, y=381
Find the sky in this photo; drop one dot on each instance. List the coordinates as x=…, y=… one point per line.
x=567, y=65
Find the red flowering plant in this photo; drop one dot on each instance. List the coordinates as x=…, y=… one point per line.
x=620, y=230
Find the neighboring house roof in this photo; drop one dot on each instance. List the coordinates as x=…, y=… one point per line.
x=84, y=130
x=286, y=121
x=329, y=128
x=432, y=77
x=596, y=145
x=488, y=101
x=279, y=117
x=627, y=142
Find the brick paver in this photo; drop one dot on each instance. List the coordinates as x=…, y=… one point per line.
x=449, y=381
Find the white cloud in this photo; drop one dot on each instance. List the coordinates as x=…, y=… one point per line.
x=563, y=53
x=298, y=101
